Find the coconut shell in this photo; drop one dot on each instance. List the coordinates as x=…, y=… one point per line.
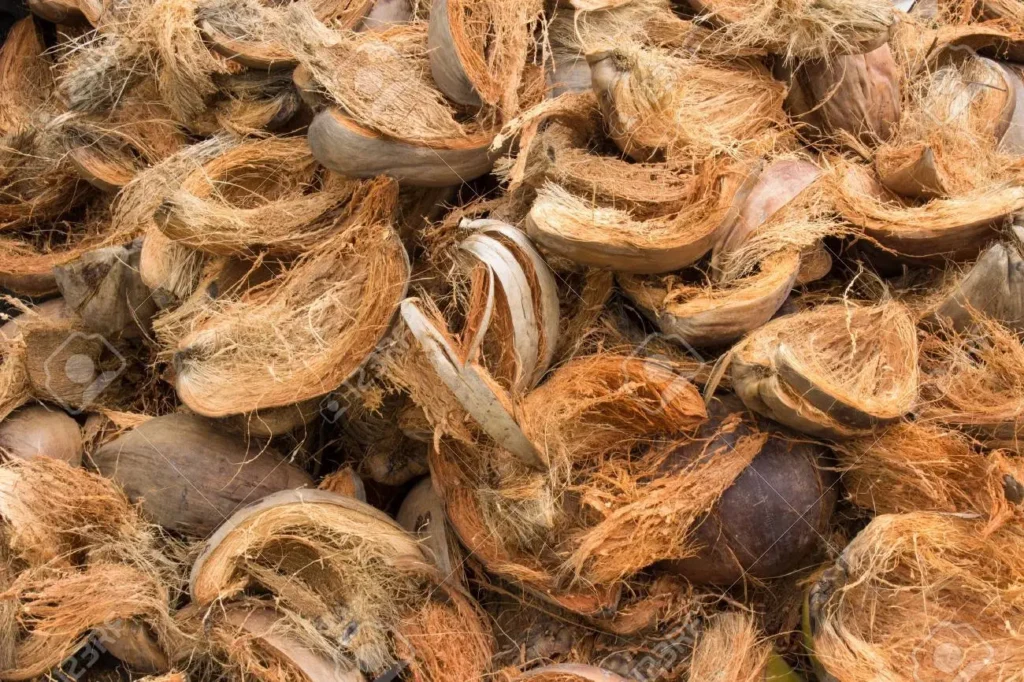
x=129, y=642
x=387, y=13
x=346, y=147
x=768, y=523
x=276, y=421
x=856, y=95
x=189, y=475
x=55, y=308
x=920, y=176
x=105, y=289
x=37, y=431
x=445, y=66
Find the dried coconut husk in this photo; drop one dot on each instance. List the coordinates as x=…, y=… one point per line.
x=255, y=103
x=921, y=594
x=835, y=371
x=685, y=108
x=189, y=475
x=971, y=381
x=258, y=641
x=422, y=514
x=355, y=582
x=848, y=99
x=957, y=228
x=606, y=236
x=480, y=51
x=264, y=196
x=104, y=289
x=345, y=482
x=244, y=30
x=569, y=672
x=803, y=29
x=948, y=137
x=24, y=74
x=918, y=43
x=993, y=287
x=922, y=467
x=304, y=332
x=731, y=649
x=170, y=271
x=41, y=431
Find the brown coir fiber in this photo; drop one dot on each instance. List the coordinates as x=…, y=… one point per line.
x=265, y=196
x=917, y=466
x=300, y=334
x=972, y=381
x=921, y=594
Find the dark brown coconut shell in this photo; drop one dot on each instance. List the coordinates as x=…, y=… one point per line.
x=993, y=287
x=769, y=522
x=190, y=474
x=37, y=431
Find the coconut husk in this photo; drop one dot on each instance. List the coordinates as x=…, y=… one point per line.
x=355, y=583
x=947, y=140
x=345, y=482
x=922, y=467
x=921, y=592
x=970, y=381
x=257, y=640
x=848, y=99
x=990, y=288
x=266, y=196
x=802, y=30
x=732, y=648
x=277, y=421
x=170, y=271
x=104, y=289
x=289, y=339
x=386, y=13
x=40, y=431
x=608, y=237
x=480, y=51
x=730, y=108
x=25, y=74
x=919, y=43
x=254, y=103
x=249, y=32
x=158, y=464
x=422, y=514
x=67, y=12
x=957, y=228
x=835, y=371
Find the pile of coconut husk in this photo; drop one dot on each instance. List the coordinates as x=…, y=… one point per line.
x=576, y=341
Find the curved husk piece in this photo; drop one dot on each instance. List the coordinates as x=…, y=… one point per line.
x=345, y=147
x=834, y=371
x=955, y=228
x=170, y=271
x=609, y=237
x=923, y=467
x=659, y=105
x=922, y=594
x=25, y=75
x=972, y=381
x=801, y=29
x=921, y=45
x=355, y=583
x=257, y=640
x=993, y=287
x=89, y=564
x=706, y=314
x=249, y=32
x=302, y=333
x=262, y=196
x=947, y=139
x=569, y=672
x=849, y=99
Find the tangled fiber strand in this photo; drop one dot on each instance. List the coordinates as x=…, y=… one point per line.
x=731, y=650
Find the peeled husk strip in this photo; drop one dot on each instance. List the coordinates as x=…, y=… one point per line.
x=991, y=288
x=955, y=228
x=911, y=586
x=848, y=99
x=728, y=108
x=608, y=237
x=834, y=371
x=189, y=475
x=41, y=431
x=803, y=29
x=287, y=341
x=335, y=563
x=470, y=384
x=971, y=381
x=262, y=196
x=479, y=50
x=918, y=466
x=270, y=104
